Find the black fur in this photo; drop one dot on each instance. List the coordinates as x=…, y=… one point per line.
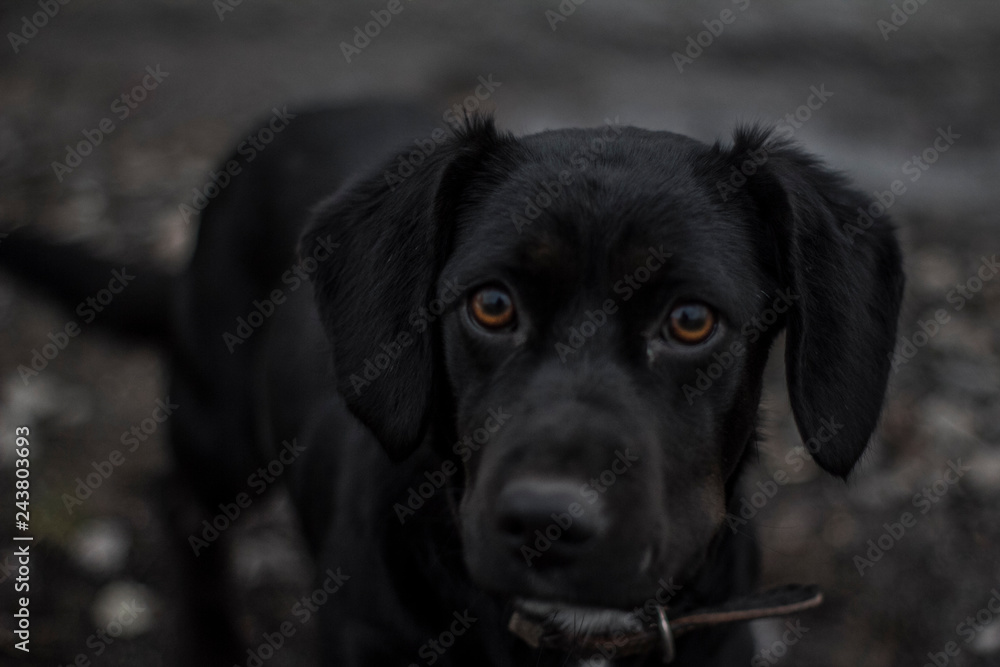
x=564, y=413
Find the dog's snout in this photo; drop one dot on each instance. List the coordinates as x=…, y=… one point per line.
x=551, y=510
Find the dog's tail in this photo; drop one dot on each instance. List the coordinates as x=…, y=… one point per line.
x=129, y=299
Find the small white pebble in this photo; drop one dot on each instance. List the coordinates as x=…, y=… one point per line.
x=123, y=609
x=101, y=546
x=987, y=641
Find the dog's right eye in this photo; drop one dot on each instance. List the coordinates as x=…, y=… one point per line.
x=492, y=308
x=690, y=323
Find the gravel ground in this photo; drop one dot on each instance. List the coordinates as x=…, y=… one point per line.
x=889, y=90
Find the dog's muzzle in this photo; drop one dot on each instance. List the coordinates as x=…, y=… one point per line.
x=568, y=628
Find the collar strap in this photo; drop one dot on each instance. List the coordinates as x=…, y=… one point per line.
x=774, y=602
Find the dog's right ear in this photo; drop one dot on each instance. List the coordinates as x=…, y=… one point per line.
x=389, y=236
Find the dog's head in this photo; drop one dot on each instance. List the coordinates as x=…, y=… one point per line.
x=588, y=314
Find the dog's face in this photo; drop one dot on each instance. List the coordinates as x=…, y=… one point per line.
x=614, y=309
x=585, y=324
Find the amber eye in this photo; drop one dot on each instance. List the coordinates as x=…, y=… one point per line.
x=492, y=308
x=691, y=323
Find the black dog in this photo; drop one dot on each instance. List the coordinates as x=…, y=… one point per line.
x=524, y=325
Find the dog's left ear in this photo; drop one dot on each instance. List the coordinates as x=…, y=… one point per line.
x=844, y=266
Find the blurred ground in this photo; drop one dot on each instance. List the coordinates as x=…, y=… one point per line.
x=892, y=92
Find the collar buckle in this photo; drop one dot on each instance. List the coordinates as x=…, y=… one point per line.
x=666, y=635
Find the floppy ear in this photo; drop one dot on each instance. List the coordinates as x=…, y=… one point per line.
x=393, y=234
x=844, y=265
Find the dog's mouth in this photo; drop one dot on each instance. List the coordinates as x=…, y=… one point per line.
x=584, y=623
x=577, y=629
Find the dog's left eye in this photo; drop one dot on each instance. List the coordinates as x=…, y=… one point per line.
x=492, y=308
x=690, y=323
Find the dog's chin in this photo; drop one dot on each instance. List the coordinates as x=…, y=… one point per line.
x=569, y=620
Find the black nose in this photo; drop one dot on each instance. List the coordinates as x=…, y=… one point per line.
x=551, y=514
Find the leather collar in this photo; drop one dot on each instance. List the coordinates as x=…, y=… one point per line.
x=538, y=633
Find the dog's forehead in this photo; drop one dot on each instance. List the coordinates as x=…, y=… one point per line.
x=570, y=208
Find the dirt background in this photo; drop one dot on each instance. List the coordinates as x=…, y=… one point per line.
x=892, y=92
